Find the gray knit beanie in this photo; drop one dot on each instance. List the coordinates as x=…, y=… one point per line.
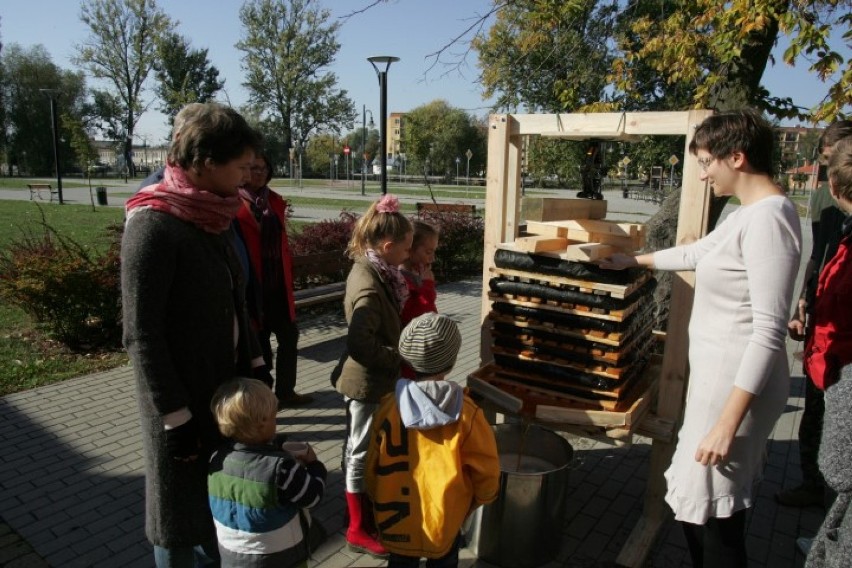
x=430, y=343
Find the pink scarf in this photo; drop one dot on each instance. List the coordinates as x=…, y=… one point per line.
x=177, y=196
x=392, y=276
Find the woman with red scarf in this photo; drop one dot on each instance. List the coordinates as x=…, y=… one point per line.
x=261, y=224
x=186, y=327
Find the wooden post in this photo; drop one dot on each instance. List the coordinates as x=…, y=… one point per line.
x=692, y=225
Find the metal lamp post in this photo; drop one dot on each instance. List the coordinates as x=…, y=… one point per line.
x=55, y=127
x=364, y=112
x=382, y=74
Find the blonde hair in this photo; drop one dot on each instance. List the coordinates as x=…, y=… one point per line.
x=241, y=406
x=840, y=168
x=423, y=231
x=374, y=227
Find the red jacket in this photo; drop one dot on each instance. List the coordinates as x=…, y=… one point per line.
x=421, y=300
x=250, y=230
x=829, y=346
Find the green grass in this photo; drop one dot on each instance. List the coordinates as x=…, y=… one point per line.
x=21, y=182
x=77, y=222
x=27, y=358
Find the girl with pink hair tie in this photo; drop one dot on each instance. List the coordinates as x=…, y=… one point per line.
x=376, y=292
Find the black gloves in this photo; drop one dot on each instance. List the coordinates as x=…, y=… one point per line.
x=262, y=374
x=182, y=443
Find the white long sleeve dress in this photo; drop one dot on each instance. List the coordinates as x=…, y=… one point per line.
x=745, y=271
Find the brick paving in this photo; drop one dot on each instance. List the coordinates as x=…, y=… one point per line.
x=71, y=479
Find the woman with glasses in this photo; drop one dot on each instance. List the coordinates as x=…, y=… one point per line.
x=262, y=226
x=739, y=376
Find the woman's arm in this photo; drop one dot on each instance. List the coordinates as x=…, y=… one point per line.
x=716, y=445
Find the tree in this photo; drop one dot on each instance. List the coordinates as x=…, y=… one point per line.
x=319, y=154
x=440, y=133
x=84, y=150
x=547, y=56
x=287, y=46
x=184, y=75
x=122, y=49
x=28, y=125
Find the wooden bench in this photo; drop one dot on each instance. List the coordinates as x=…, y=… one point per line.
x=320, y=278
x=36, y=188
x=429, y=207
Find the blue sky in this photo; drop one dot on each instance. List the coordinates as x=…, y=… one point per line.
x=408, y=29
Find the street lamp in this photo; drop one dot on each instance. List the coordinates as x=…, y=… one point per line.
x=364, y=112
x=383, y=109
x=55, y=127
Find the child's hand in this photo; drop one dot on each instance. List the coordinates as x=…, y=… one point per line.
x=309, y=456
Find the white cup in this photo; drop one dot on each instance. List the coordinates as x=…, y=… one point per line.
x=298, y=449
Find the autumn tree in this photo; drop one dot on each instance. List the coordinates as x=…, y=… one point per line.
x=122, y=49
x=184, y=75
x=288, y=46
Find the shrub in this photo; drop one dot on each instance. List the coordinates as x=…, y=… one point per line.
x=324, y=236
x=72, y=293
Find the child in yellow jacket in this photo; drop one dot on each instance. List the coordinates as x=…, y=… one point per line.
x=432, y=457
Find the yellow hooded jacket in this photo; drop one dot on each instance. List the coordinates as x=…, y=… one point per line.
x=426, y=478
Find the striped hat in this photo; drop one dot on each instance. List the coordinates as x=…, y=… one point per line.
x=430, y=343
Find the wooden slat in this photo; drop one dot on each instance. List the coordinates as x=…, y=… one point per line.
x=620, y=291
x=558, y=208
x=541, y=244
x=588, y=252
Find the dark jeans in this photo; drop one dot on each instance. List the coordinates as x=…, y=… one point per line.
x=450, y=560
x=186, y=557
x=287, y=335
x=718, y=543
x=810, y=434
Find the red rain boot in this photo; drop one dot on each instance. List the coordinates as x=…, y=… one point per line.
x=357, y=537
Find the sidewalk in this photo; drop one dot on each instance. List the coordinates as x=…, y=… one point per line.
x=71, y=479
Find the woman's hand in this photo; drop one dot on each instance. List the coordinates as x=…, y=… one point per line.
x=618, y=261
x=716, y=445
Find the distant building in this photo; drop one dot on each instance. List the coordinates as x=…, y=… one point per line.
x=150, y=157
x=798, y=147
x=396, y=129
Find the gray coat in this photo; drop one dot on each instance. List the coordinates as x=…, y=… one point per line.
x=832, y=547
x=369, y=368
x=182, y=291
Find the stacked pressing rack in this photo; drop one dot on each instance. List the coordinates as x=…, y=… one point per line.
x=570, y=341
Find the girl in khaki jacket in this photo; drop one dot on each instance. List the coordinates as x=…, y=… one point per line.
x=368, y=370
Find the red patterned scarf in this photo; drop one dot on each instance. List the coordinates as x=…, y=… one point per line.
x=177, y=196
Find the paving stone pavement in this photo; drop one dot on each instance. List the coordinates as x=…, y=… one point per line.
x=71, y=479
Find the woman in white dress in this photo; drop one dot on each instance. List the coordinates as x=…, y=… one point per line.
x=739, y=377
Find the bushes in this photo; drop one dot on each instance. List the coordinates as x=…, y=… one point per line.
x=72, y=293
x=459, y=252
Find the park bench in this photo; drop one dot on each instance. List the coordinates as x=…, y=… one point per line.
x=36, y=189
x=320, y=277
x=430, y=207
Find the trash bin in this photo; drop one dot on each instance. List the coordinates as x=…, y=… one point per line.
x=100, y=192
x=523, y=527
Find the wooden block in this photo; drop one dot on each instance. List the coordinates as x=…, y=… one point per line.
x=556, y=208
x=546, y=229
x=603, y=227
x=539, y=244
x=588, y=252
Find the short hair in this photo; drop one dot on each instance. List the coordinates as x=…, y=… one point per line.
x=834, y=132
x=423, y=231
x=377, y=226
x=184, y=115
x=241, y=406
x=214, y=132
x=840, y=168
x=743, y=131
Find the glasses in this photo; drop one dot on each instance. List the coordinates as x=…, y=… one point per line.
x=258, y=170
x=705, y=162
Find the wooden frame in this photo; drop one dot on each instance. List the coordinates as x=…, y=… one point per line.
x=502, y=211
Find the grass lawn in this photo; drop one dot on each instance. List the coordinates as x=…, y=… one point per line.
x=27, y=358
